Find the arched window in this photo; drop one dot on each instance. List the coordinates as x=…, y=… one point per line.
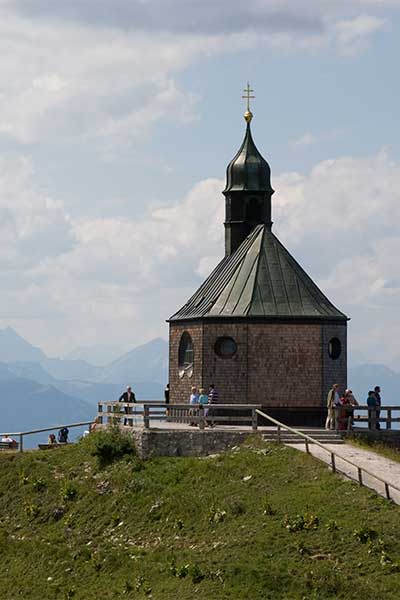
x=186, y=352
x=334, y=348
x=253, y=210
x=225, y=347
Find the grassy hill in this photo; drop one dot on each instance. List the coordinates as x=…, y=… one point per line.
x=260, y=522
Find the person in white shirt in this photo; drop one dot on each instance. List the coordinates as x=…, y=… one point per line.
x=194, y=399
x=333, y=402
x=7, y=439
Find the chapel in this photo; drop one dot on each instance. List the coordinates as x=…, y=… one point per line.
x=259, y=328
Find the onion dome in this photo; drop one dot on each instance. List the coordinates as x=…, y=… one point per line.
x=248, y=170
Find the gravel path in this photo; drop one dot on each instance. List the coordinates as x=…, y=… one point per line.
x=376, y=464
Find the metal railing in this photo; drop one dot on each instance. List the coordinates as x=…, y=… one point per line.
x=144, y=413
x=333, y=455
x=22, y=434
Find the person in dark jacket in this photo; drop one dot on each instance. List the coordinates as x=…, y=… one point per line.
x=166, y=398
x=371, y=402
x=63, y=435
x=129, y=398
x=213, y=398
x=377, y=392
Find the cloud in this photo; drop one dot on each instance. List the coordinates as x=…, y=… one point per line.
x=352, y=35
x=120, y=278
x=307, y=139
x=79, y=83
x=209, y=17
x=32, y=224
x=310, y=139
x=341, y=222
x=81, y=70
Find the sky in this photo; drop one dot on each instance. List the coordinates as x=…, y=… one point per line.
x=117, y=122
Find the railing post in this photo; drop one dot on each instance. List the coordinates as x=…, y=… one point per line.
x=21, y=442
x=389, y=418
x=146, y=416
x=359, y=471
x=279, y=434
x=253, y=419
x=387, y=492
x=201, y=417
x=333, y=462
x=336, y=413
x=307, y=447
x=373, y=415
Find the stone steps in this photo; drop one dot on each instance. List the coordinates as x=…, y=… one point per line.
x=320, y=435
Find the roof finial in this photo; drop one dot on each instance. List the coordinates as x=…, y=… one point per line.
x=248, y=115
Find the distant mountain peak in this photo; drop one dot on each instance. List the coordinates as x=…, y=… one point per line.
x=14, y=348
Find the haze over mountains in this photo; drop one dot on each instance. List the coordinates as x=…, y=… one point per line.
x=36, y=390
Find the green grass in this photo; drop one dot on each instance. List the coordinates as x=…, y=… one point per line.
x=263, y=522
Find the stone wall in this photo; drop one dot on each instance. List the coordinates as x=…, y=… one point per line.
x=185, y=443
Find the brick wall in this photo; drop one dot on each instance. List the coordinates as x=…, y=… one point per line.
x=180, y=388
x=228, y=374
x=335, y=371
x=285, y=366
x=276, y=364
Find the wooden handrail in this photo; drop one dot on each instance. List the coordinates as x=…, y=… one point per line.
x=21, y=434
x=333, y=454
x=48, y=428
x=116, y=410
x=187, y=405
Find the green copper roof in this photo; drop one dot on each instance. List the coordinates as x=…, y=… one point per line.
x=248, y=170
x=260, y=280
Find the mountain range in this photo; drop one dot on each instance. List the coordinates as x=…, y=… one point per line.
x=37, y=390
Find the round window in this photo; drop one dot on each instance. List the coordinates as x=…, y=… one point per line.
x=334, y=348
x=225, y=347
x=185, y=353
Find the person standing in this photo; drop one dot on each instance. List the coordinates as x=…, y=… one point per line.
x=213, y=395
x=351, y=404
x=377, y=392
x=193, y=401
x=166, y=399
x=333, y=404
x=203, y=403
x=372, y=404
x=213, y=398
x=129, y=398
x=166, y=394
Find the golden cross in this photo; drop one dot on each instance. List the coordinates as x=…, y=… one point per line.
x=248, y=95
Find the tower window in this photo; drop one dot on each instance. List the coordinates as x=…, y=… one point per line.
x=253, y=210
x=186, y=352
x=225, y=347
x=334, y=348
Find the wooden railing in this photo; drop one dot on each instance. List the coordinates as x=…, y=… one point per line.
x=145, y=413
x=333, y=455
x=22, y=434
x=385, y=416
